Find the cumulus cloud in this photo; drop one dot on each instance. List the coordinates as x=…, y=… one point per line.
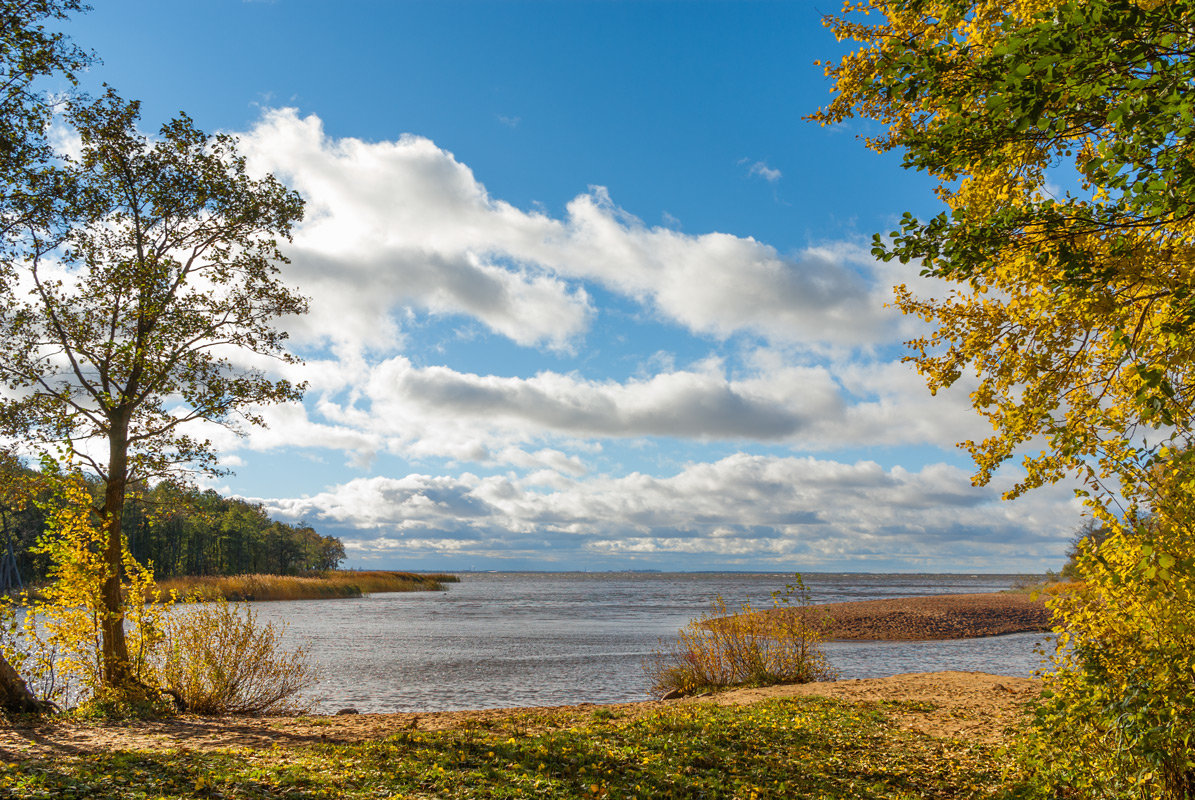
x=741, y=509
x=542, y=422
x=694, y=404
x=800, y=357
x=404, y=223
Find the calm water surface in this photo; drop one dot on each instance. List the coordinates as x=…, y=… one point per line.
x=524, y=639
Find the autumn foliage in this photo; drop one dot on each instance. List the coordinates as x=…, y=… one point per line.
x=212, y=658
x=216, y=658
x=727, y=647
x=1060, y=136
x=57, y=642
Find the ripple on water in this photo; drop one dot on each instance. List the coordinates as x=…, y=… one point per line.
x=530, y=639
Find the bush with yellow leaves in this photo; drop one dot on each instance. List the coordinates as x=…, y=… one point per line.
x=216, y=658
x=747, y=647
x=212, y=658
x=1118, y=714
x=55, y=641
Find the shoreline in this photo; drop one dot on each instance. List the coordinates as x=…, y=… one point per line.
x=974, y=705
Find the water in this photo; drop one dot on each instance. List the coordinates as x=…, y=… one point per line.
x=532, y=639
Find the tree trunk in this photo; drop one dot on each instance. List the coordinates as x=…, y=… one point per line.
x=15, y=695
x=116, y=649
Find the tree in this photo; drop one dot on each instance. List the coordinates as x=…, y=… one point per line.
x=28, y=53
x=999, y=105
x=135, y=308
x=60, y=644
x=1087, y=537
x=1061, y=136
x=18, y=487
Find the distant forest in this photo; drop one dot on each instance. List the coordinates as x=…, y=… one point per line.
x=189, y=532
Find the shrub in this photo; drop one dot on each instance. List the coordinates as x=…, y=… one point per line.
x=1118, y=715
x=216, y=659
x=749, y=647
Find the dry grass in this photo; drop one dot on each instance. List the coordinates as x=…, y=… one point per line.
x=1047, y=586
x=331, y=584
x=722, y=648
x=216, y=658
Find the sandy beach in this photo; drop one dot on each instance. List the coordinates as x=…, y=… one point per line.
x=971, y=705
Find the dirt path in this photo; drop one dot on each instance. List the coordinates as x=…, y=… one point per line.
x=966, y=704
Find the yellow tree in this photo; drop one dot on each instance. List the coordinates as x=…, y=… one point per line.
x=1072, y=302
x=1060, y=135
x=64, y=629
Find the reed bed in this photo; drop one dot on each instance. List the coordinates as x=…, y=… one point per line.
x=320, y=586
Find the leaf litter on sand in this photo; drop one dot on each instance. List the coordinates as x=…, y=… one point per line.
x=795, y=747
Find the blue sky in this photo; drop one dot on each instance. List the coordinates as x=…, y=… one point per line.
x=588, y=291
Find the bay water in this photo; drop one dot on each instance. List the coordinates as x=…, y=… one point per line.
x=539, y=639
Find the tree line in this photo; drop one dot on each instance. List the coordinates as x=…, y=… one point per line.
x=180, y=531
x=212, y=535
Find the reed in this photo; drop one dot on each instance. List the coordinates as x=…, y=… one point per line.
x=319, y=586
x=1046, y=586
x=747, y=647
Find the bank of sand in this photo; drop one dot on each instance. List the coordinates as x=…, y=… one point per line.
x=971, y=705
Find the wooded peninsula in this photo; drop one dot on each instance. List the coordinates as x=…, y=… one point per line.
x=182, y=532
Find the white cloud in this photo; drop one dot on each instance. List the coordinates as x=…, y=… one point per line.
x=399, y=227
x=394, y=224
x=403, y=223
x=762, y=170
x=543, y=421
x=700, y=404
x=805, y=511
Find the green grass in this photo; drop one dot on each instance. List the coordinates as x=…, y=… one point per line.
x=799, y=748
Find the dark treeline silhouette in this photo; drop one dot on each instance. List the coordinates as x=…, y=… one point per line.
x=184, y=532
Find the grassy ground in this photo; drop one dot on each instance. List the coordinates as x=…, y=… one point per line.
x=794, y=748
x=334, y=583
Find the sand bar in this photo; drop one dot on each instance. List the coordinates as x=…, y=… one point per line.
x=947, y=616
